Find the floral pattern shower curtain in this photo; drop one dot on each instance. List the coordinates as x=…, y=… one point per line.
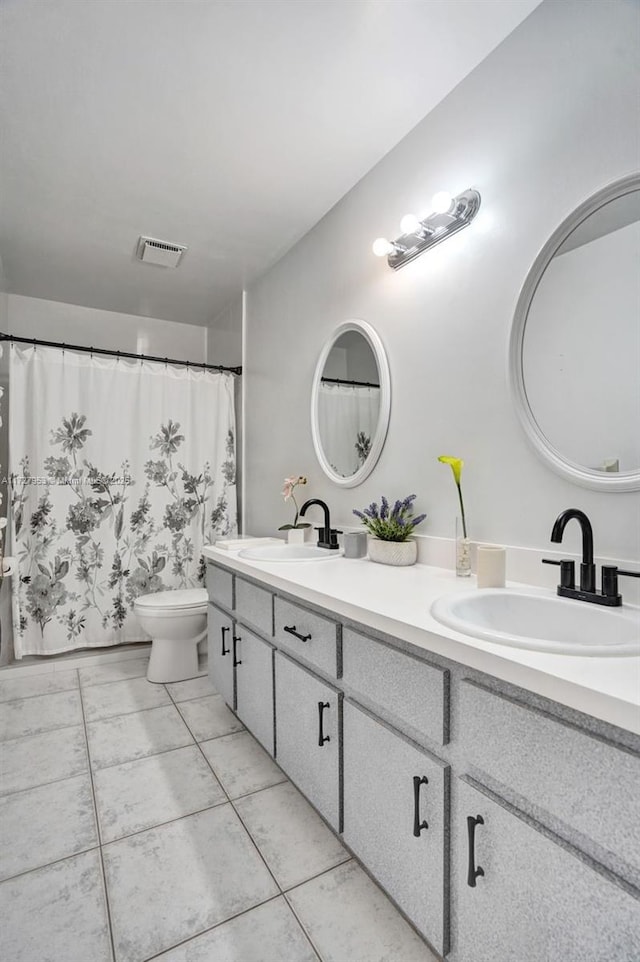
x=120, y=473
x=347, y=419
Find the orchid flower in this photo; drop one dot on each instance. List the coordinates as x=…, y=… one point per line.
x=456, y=466
x=290, y=484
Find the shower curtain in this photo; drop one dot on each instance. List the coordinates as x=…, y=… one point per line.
x=120, y=472
x=347, y=419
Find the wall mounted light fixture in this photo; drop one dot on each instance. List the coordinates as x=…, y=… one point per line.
x=449, y=215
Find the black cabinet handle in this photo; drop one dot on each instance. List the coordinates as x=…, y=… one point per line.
x=236, y=661
x=223, y=630
x=472, y=872
x=322, y=738
x=418, y=826
x=291, y=629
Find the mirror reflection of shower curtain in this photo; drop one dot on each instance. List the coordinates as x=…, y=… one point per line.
x=347, y=420
x=120, y=472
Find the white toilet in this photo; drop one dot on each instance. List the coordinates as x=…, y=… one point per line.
x=176, y=621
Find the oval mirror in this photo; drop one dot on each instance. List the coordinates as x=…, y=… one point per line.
x=575, y=343
x=350, y=403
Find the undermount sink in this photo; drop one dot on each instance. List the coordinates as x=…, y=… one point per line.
x=541, y=621
x=288, y=552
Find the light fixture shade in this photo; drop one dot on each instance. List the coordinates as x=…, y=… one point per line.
x=409, y=224
x=441, y=202
x=381, y=247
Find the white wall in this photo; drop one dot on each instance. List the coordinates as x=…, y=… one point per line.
x=549, y=118
x=225, y=335
x=87, y=326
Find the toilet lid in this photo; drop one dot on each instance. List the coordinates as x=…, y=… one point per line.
x=180, y=598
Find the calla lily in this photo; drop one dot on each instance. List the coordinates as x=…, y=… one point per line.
x=456, y=465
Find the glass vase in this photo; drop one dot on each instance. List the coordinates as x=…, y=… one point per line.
x=463, y=551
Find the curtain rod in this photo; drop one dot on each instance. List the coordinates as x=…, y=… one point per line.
x=36, y=342
x=339, y=380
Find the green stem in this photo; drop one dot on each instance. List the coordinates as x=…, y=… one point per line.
x=464, y=523
x=295, y=520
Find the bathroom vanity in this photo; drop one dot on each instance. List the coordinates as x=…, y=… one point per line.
x=492, y=793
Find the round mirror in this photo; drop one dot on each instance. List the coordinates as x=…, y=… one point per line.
x=575, y=343
x=350, y=403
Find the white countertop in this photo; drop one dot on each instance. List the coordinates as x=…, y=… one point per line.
x=398, y=600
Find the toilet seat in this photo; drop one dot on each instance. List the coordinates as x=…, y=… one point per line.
x=179, y=600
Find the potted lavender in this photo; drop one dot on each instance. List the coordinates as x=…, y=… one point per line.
x=390, y=531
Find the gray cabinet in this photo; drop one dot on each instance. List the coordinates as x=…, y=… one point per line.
x=396, y=819
x=308, y=735
x=537, y=899
x=220, y=629
x=307, y=636
x=254, y=685
x=514, y=744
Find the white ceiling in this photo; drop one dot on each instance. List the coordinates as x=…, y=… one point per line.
x=230, y=126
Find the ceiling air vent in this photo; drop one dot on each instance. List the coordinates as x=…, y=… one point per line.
x=160, y=253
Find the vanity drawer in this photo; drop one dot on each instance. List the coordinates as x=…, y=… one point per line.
x=219, y=585
x=399, y=686
x=587, y=783
x=254, y=606
x=320, y=647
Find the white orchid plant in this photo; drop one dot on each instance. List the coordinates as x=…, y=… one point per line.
x=290, y=484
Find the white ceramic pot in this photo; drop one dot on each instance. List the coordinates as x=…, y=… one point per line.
x=393, y=552
x=298, y=535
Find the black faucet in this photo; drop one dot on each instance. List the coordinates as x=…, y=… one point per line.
x=587, y=590
x=327, y=536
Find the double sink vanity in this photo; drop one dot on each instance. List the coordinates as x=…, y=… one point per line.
x=490, y=789
x=477, y=751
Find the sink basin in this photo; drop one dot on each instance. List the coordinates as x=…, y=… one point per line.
x=288, y=552
x=541, y=621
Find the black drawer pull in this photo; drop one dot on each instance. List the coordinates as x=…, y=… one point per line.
x=223, y=630
x=472, y=872
x=322, y=738
x=292, y=631
x=236, y=660
x=418, y=826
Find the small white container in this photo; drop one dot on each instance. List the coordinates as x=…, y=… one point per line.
x=491, y=566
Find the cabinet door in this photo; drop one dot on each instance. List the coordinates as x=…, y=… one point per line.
x=308, y=735
x=254, y=685
x=220, y=641
x=521, y=894
x=396, y=819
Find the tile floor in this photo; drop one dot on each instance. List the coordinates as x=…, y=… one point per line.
x=141, y=821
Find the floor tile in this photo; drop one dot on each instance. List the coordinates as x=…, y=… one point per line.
x=205, y=869
x=121, y=697
x=209, y=717
x=193, y=688
x=124, y=738
x=241, y=764
x=268, y=932
x=28, y=716
x=144, y=793
x=26, y=686
x=38, y=759
x=56, y=913
x=54, y=821
x=117, y=671
x=348, y=917
x=292, y=838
